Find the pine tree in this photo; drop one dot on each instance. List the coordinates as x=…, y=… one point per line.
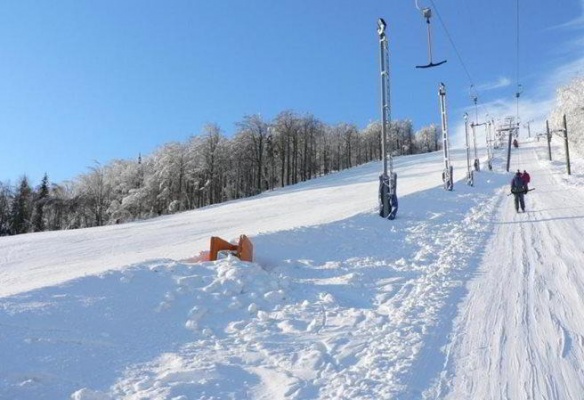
x=5, y=202
x=21, y=208
x=38, y=220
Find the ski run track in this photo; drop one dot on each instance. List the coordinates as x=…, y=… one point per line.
x=460, y=297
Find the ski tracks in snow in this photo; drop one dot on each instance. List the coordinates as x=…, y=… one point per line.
x=457, y=298
x=520, y=333
x=347, y=324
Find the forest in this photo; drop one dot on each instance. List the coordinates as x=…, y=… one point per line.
x=206, y=169
x=212, y=167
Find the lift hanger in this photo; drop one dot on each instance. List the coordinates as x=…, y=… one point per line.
x=427, y=13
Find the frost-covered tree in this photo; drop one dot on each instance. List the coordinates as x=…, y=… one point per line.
x=401, y=137
x=348, y=142
x=209, y=158
x=426, y=139
x=286, y=131
x=371, y=141
x=170, y=164
x=21, y=209
x=244, y=165
x=125, y=178
x=255, y=129
x=95, y=192
x=570, y=101
x=207, y=169
x=61, y=207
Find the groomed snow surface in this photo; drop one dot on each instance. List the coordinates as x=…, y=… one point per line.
x=460, y=297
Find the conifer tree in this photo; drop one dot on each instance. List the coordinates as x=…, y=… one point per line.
x=21, y=208
x=38, y=220
x=5, y=202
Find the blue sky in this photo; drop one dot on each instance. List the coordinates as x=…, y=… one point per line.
x=86, y=81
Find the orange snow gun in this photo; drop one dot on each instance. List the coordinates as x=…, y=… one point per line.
x=243, y=250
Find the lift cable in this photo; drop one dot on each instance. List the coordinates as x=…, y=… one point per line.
x=462, y=63
x=452, y=43
x=519, y=86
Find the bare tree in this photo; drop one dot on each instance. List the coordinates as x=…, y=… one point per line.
x=257, y=130
x=287, y=128
x=214, y=154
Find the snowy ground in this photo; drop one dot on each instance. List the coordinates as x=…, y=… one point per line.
x=529, y=343
x=459, y=297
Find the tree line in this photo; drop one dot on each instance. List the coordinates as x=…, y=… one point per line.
x=206, y=169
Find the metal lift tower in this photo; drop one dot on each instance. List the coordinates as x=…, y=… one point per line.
x=387, y=180
x=447, y=174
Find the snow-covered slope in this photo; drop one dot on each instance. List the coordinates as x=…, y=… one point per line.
x=459, y=297
x=529, y=343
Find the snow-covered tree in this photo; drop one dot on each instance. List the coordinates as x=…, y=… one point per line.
x=255, y=129
x=286, y=131
x=207, y=169
x=95, y=192
x=570, y=101
x=371, y=141
x=426, y=139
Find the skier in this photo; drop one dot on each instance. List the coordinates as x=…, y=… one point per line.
x=515, y=143
x=518, y=189
x=526, y=179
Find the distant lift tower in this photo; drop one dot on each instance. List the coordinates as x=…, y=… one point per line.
x=512, y=129
x=469, y=171
x=387, y=181
x=489, y=140
x=447, y=174
x=477, y=163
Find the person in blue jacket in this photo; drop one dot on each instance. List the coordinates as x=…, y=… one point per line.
x=518, y=188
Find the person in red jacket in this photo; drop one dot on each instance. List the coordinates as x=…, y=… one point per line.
x=526, y=179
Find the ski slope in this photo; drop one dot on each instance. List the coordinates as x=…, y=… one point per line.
x=459, y=297
x=46, y=258
x=528, y=341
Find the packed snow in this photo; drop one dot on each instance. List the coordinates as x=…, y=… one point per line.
x=459, y=297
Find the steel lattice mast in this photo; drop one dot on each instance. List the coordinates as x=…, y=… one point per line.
x=388, y=179
x=469, y=171
x=447, y=174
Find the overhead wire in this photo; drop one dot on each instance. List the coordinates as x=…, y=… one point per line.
x=452, y=43
x=458, y=55
x=519, y=87
x=517, y=41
